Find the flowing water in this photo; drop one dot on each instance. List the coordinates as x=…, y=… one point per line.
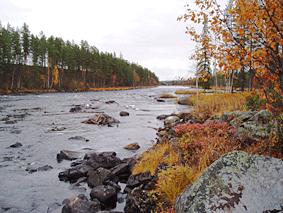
x=28, y=119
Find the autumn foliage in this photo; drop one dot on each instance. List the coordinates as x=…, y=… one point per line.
x=247, y=35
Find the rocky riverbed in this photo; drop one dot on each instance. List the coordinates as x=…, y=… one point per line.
x=34, y=129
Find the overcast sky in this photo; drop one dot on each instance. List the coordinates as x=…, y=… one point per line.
x=144, y=31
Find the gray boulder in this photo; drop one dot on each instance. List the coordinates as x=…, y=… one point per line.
x=252, y=124
x=237, y=182
x=171, y=121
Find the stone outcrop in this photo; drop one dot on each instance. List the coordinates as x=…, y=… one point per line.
x=237, y=182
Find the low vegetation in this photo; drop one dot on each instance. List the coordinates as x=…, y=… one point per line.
x=216, y=104
x=178, y=163
x=161, y=154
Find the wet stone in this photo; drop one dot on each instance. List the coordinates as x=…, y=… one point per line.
x=16, y=145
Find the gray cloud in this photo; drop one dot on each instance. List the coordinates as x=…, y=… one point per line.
x=145, y=31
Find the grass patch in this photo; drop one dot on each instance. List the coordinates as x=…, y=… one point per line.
x=161, y=154
x=173, y=181
x=207, y=105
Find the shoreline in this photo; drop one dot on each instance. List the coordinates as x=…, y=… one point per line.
x=41, y=91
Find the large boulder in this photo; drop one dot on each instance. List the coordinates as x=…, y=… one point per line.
x=107, y=195
x=105, y=160
x=237, y=182
x=101, y=119
x=97, y=177
x=80, y=204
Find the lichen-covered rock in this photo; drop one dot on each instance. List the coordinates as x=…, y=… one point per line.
x=252, y=124
x=237, y=182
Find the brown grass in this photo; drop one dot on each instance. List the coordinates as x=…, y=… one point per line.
x=207, y=105
x=150, y=160
x=173, y=181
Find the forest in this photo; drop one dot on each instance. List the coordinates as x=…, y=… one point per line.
x=34, y=62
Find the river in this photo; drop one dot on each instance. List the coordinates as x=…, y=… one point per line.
x=28, y=119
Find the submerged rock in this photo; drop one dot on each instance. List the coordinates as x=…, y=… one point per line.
x=110, y=102
x=57, y=129
x=237, y=182
x=16, y=145
x=79, y=138
x=160, y=100
x=162, y=117
x=132, y=146
x=123, y=113
x=68, y=155
x=76, y=109
x=80, y=204
x=102, y=119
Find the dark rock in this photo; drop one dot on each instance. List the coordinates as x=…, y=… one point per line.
x=140, y=179
x=162, y=117
x=107, y=195
x=160, y=100
x=105, y=160
x=31, y=170
x=101, y=119
x=139, y=201
x=16, y=145
x=120, y=169
x=132, y=146
x=10, y=122
x=73, y=174
x=76, y=109
x=97, y=177
x=80, y=204
x=57, y=129
x=16, y=131
x=116, y=186
x=131, y=162
x=44, y=168
x=237, y=182
x=68, y=155
x=79, y=138
x=123, y=113
x=110, y=102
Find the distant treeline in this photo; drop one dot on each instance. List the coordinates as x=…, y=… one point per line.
x=30, y=61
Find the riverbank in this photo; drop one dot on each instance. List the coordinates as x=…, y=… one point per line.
x=189, y=143
x=40, y=91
